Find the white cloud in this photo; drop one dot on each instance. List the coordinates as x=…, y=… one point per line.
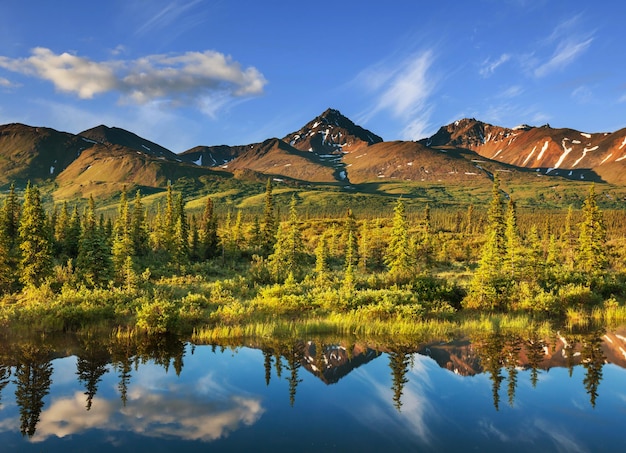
x=171, y=13
x=489, y=67
x=582, y=94
x=6, y=83
x=403, y=90
x=569, y=44
x=179, y=79
x=512, y=92
x=566, y=52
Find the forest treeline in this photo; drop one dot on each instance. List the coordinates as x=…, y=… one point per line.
x=162, y=267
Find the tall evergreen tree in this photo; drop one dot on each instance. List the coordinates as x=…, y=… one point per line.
x=139, y=230
x=269, y=225
x=180, y=244
x=123, y=246
x=289, y=248
x=35, y=246
x=490, y=285
x=208, y=235
x=94, y=262
x=322, y=269
x=591, y=258
x=513, y=260
x=350, y=237
x=9, y=242
x=398, y=256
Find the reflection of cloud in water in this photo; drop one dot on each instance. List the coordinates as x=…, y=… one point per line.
x=416, y=407
x=563, y=440
x=152, y=414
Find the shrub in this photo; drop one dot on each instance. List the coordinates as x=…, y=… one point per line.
x=157, y=317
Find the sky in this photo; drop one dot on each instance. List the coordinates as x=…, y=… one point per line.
x=184, y=73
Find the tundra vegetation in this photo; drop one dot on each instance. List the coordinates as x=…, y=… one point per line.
x=172, y=266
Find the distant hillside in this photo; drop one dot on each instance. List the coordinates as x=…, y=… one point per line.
x=115, y=136
x=329, y=149
x=556, y=152
x=36, y=153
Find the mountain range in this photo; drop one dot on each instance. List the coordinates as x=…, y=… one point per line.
x=330, y=149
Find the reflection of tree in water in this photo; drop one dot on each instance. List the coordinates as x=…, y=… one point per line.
x=267, y=363
x=511, y=360
x=127, y=351
x=33, y=379
x=122, y=350
x=592, y=358
x=399, y=360
x=293, y=355
x=91, y=365
x=490, y=349
x=535, y=354
x=5, y=376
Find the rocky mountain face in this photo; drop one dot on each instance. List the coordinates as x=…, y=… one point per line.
x=28, y=152
x=111, y=136
x=557, y=152
x=332, y=149
x=328, y=149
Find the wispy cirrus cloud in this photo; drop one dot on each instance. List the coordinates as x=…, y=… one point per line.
x=402, y=89
x=6, y=83
x=568, y=42
x=191, y=78
x=489, y=66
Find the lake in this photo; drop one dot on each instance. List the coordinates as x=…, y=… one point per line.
x=489, y=393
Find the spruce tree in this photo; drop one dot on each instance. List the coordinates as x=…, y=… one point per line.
x=591, y=258
x=398, y=257
x=513, y=260
x=322, y=269
x=350, y=237
x=180, y=239
x=9, y=242
x=208, y=235
x=35, y=246
x=123, y=246
x=286, y=260
x=269, y=220
x=364, y=246
x=489, y=288
x=139, y=230
x=94, y=262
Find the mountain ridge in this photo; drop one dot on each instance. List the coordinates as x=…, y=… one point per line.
x=329, y=149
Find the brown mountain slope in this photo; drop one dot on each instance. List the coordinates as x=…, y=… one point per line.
x=212, y=156
x=561, y=152
x=275, y=157
x=36, y=153
x=412, y=161
x=331, y=133
x=116, y=136
x=105, y=169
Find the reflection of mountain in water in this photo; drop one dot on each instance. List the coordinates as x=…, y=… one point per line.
x=463, y=357
x=335, y=361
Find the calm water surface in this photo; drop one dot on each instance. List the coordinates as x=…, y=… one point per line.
x=487, y=394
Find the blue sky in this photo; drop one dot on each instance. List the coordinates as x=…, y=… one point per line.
x=206, y=72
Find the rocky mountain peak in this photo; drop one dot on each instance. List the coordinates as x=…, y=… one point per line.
x=331, y=133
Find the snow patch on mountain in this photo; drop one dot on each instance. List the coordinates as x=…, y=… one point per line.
x=606, y=158
x=584, y=134
x=623, y=144
x=529, y=156
x=199, y=161
x=543, y=150
x=566, y=151
x=585, y=151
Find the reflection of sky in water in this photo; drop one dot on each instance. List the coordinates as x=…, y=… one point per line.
x=222, y=399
